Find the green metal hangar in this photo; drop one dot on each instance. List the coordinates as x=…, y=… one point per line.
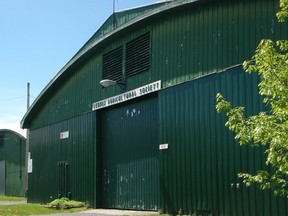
x=150, y=139
x=12, y=163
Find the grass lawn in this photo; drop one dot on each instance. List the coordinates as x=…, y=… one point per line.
x=37, y=209
x=30, y=209
x=33, y=209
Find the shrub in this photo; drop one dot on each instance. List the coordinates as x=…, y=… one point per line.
x=65, y=203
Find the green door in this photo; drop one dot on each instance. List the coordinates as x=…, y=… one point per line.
x=130, y=167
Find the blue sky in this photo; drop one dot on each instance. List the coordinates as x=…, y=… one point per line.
x=37, y=38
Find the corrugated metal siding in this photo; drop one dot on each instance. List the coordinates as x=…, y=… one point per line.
x=186, y=43
x=202, y=161
x=2, y=178
x=15, y=167
x=79, y=151
x=203, y=39
x=117, y=19
x=81, y=89
x=12, y=150
x=130, y=152
x=203, y=158
x=74, y=97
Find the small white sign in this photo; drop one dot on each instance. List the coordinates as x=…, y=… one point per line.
x=163, y=146
x=30, y=165
x=64, y=135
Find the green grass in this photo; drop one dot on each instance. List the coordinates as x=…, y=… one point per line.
x=37, y=209
x=7, y=198
x=33, y=209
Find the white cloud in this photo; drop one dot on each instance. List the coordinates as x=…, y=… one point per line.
x=11, y=122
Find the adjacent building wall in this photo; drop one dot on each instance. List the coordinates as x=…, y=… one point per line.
x=12, y=157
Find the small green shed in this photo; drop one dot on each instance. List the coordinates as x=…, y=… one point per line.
x=12, y=163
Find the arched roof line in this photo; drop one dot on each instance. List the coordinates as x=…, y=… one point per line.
x=12, y=132
x=86, y=49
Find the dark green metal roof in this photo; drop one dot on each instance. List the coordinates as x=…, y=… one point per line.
x=8, y=131
x=117, y=19
x=123, y=20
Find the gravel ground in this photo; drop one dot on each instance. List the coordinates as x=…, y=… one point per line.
x=107, y=212
x=13, y=202
x=92, y=212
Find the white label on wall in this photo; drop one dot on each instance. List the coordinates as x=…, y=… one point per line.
x=141, y=91
x=64, y=135
x=30, y=165
x=163, y=146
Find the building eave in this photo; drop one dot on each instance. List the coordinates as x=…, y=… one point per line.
x=86, y=49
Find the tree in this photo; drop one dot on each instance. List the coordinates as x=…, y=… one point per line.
x=268, y=128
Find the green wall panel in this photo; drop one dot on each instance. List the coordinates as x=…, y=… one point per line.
x=204, y=38
x=73, y=98
x=78, y=150
x=187, y=42
x=195, y=49
x=198, y=173
x=130, y=156
x=12, y=152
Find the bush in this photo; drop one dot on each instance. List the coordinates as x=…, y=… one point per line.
x=65, y=203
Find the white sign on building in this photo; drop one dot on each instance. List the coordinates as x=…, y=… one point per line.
x=144, y=90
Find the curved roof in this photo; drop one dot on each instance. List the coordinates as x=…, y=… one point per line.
x=123, y=20
x=2, y=131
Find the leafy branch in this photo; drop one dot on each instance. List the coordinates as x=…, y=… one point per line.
x=269, y=128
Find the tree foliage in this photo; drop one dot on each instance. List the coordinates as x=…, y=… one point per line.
x=269, y=128
x=283, y=13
